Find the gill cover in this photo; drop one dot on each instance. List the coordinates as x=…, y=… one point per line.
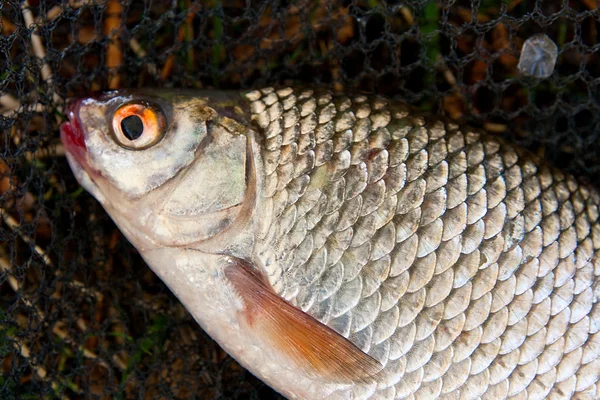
x=172, y=163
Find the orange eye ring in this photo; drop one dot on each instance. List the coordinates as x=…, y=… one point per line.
x=138, y=126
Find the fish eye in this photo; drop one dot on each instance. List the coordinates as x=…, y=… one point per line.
x=138, y=125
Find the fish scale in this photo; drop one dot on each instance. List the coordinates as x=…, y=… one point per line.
x=466, y=267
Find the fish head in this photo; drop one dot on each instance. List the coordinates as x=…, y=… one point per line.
x=170, y=168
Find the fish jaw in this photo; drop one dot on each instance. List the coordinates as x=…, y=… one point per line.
x=72, y=136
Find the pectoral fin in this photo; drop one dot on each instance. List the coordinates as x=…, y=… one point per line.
x=312, y=345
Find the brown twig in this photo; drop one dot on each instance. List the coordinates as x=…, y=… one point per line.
x=114, y=55
x=141, y=53
x=16, y=287
x=494, y=127
x=590, y=4
x=189, y=19
x=9, y=103
x=15, y=226
x=38, y=48
x=7, y=27
x=9, y=106
x=55, y=150
x=23, y=348
x=408, y=15
x=513, y=4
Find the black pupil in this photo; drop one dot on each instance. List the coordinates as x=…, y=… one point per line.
x=132, y=127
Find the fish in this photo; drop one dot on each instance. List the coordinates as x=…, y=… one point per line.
x=346, y=246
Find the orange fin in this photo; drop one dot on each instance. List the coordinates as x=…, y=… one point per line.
x=313, y=345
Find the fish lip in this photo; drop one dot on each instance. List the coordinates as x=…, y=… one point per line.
x=73, y=138
x=71, y=132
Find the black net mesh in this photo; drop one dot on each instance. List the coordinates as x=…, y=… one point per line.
x=81, y=316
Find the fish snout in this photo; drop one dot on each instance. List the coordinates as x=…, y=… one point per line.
x=72, y=135
x=71, y=131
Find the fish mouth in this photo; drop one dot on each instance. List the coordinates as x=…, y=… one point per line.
x=73, y=139
x=71, y=133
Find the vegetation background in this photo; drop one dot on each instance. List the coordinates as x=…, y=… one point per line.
x=81, y=316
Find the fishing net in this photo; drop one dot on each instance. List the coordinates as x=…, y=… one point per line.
x=81, y=316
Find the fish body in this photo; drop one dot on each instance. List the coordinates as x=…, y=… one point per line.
x=345, y=247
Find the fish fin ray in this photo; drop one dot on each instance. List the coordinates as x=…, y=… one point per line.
x=312, y=345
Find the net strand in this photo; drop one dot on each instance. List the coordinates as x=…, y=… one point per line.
x=80, y=313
